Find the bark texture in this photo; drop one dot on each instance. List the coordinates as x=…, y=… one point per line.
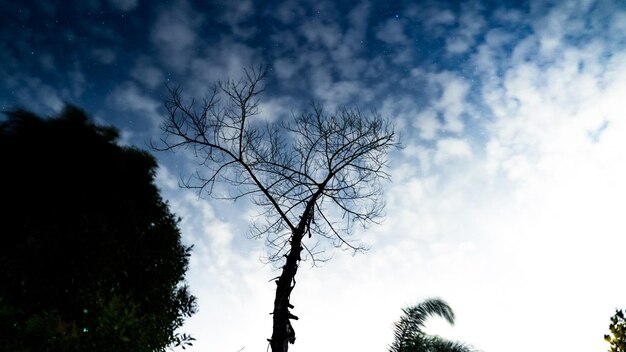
x=283, y=332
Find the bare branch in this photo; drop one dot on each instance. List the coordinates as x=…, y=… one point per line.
x=313, y=178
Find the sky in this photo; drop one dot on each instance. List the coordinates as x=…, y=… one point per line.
x=506, y=199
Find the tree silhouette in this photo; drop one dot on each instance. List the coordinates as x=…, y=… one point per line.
x=617, y=329
x=409, y=334
x=90, y=255
x=313, y=177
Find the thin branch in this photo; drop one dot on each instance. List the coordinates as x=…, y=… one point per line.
x=319, y=165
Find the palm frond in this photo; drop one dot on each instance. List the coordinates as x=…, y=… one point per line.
x=429, y=308
x=439, y=344
x=408, y=333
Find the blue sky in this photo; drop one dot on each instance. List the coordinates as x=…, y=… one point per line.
x=506, y=200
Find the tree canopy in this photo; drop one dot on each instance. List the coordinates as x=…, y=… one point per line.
x=617, y=329
x=91, y=257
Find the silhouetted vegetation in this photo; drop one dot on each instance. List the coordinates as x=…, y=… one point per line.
x=313, y=177
x=617, y=329
x=409, y=334
x=90, y=255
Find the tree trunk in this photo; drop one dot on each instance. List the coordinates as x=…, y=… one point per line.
x=282, y=332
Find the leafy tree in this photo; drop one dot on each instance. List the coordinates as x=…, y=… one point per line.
x=409, y=334
x=313, y=177
x=90, y=255
x=617, y=336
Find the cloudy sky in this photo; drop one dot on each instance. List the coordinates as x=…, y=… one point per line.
x=507, y=199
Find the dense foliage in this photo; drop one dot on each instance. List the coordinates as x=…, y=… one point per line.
x=617, y=336
x=90, y=255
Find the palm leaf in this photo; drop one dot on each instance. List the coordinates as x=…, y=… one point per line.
x=439, y=344
x=408, y=333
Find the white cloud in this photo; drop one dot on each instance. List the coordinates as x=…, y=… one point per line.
x=77, y=81
x=147, y=74
x=433, y=16
x=326, y=52
x=219, y=62
x=129, y=97
x=457, y=45
x=225, y=272
x=174, y=34
x=276, y=109
x=38, y=96
x=428, y=124
x=235, y=14
x=392, y=32
x=285, y=68
x=452, y=102
x=564, y=185
x=618, y=24
x=166, y=180
x=449, y=99
x=524, y=222
x=359, y=16
x=452, y=148
x=339, y=93
x=487, y=56
x=471, y=23
x=402, y=111
x=318, y=33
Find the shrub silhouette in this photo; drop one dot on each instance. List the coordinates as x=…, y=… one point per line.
x=90, y=255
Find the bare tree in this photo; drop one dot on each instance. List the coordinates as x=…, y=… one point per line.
x=313, y=178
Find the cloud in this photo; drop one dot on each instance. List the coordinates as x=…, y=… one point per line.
x=220, y=61
x=104, y=55
x=562, y=184
x=448, y=93
x=321, y=51
x=470, y=24
x=546, y=231
x=489, y=55
x=434, y=16
x=147, y=73
x=78, y=81
x=452, y=101
x=540, y=109
x=47, y=62
x=124, y=5
x=392, y=32
x=35, y=95
x=510, y=185
x=285, y=68
x=452, y=148
x=129, y=97
x=336, y=93
x=530, y=209
x=174, y=34
x=318, y=33
x=226, y=275
x=237, y=15
x=428, y=124
x=359, y=16
x=288, y=11
x=275, y=109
